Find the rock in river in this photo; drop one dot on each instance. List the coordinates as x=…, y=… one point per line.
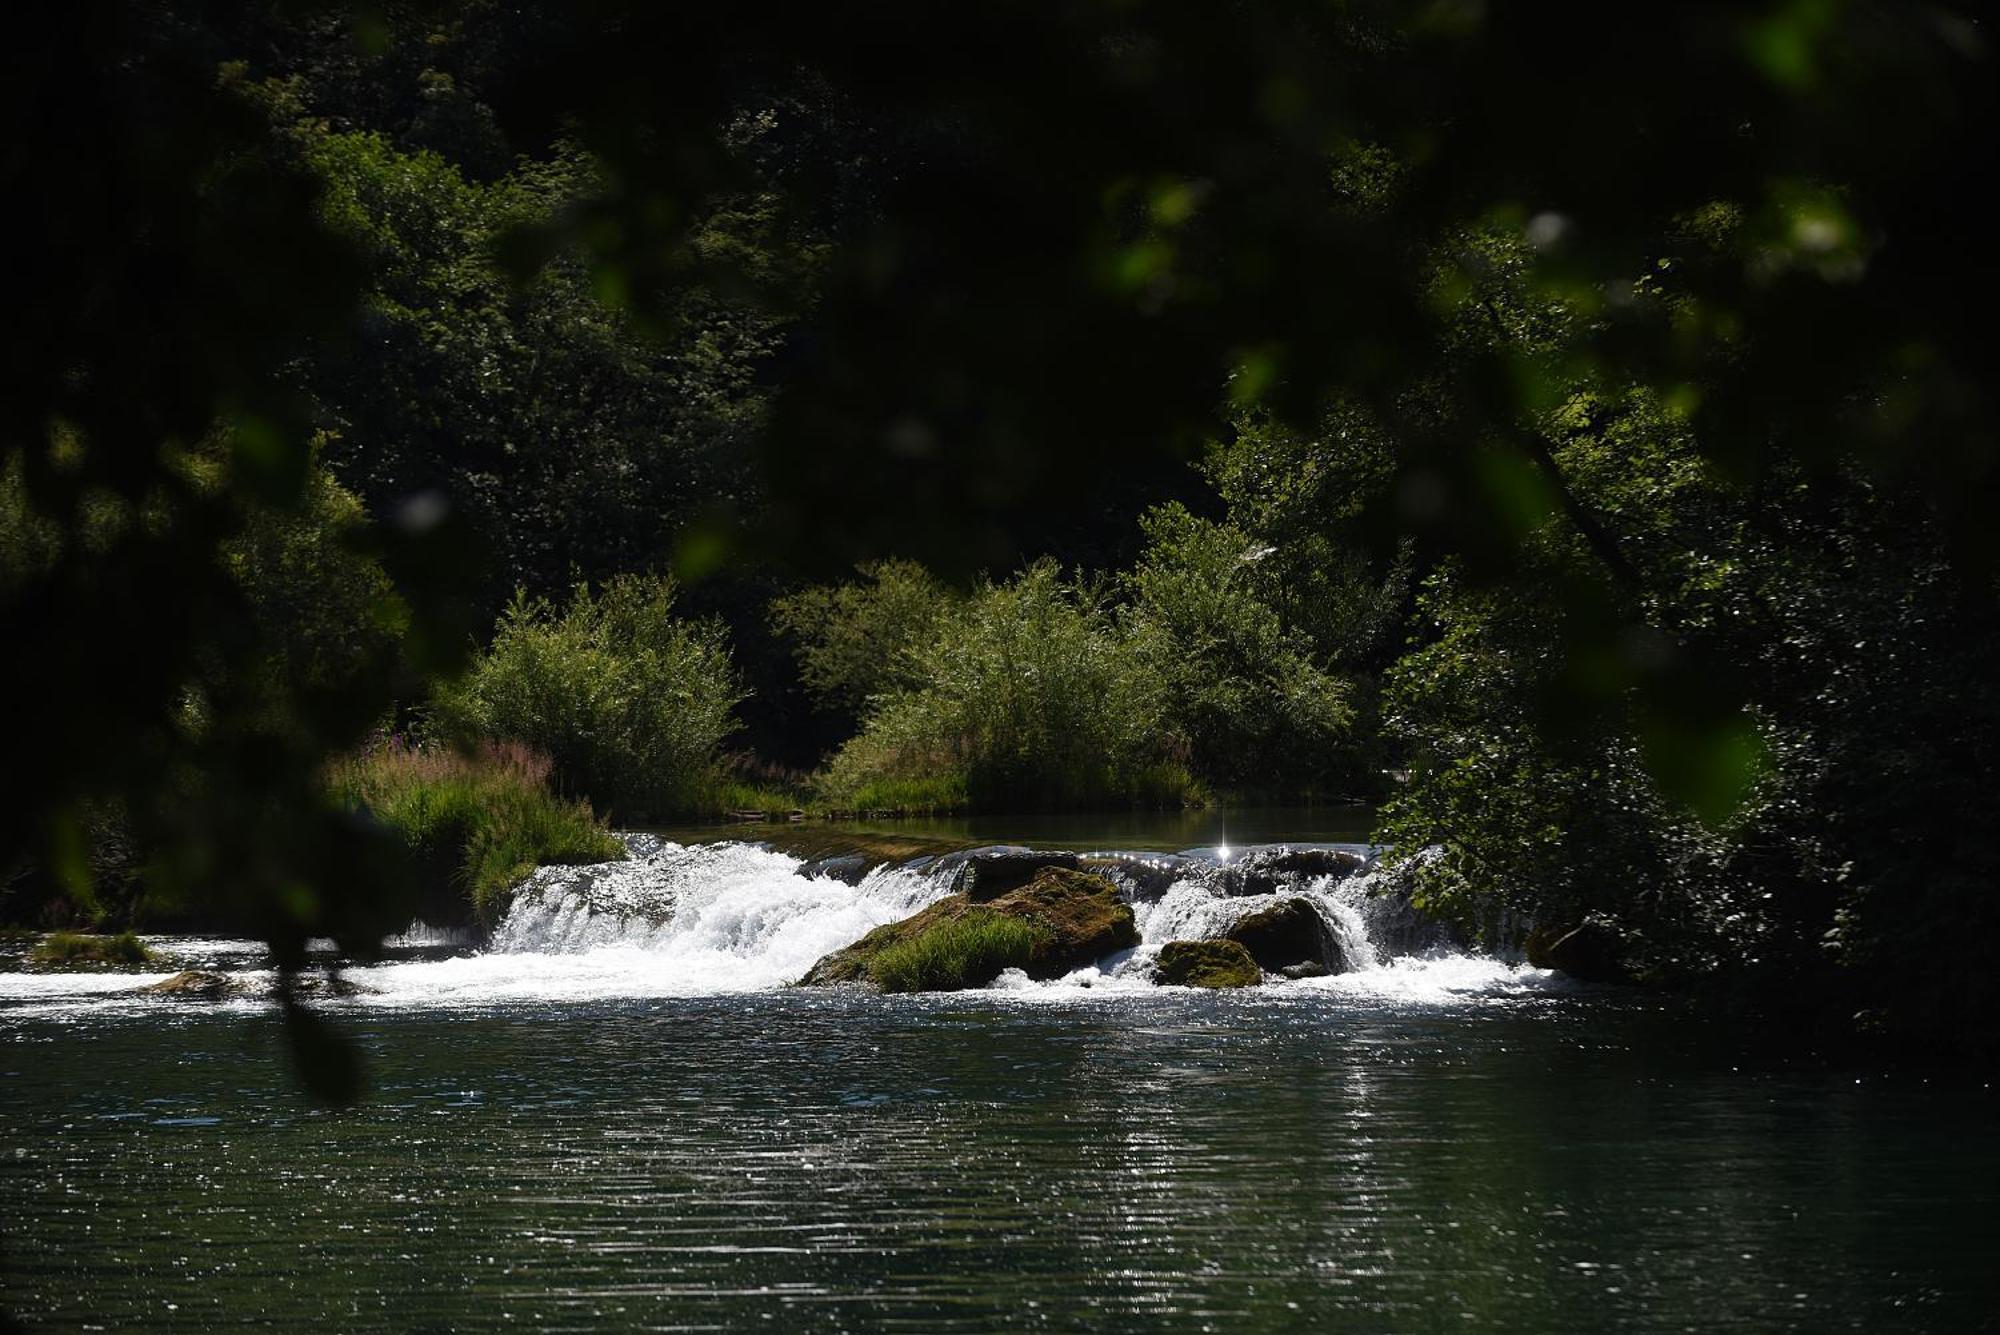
x=1264, y=871
x=1215, y=964
x=1287, y=933
x=1059, y=921
x=196, y=985
x=987, y=873
x=1589, y=951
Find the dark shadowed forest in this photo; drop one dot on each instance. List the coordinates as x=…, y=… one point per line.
x=437, y=432
x=1120, y=665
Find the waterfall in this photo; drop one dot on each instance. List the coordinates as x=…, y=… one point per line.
x=716, y=917
x=731, y=917
x=1358, y=909
x=705, y=919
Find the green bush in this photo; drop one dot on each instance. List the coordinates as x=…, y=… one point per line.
x=629, y=701
x=487, y=818
x=968, y=951
x=855, y=642
x=1257, y=706
x=1031, y=695
x=89, y=948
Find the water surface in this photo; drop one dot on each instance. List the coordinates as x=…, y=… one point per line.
x=1351, y=822
x=620, y=1117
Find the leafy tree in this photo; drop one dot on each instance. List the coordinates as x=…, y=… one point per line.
x=571, y=440
x=858, y=641
x=1258, y=708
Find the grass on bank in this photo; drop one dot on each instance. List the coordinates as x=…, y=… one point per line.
x=71, y=948
x=972, y=948
x=488, y=817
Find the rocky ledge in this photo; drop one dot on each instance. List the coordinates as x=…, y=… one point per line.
x=1215, y=964
x=1060, y=919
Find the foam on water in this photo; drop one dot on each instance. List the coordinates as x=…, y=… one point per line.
x=675, y=920
x=671, y=920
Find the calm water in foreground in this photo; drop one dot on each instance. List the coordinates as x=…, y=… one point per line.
x=1303, y=1159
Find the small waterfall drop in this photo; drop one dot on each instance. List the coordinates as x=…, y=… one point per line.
x=670, y=920
x=1350, y=905
x=721, y=917
x=705, y=919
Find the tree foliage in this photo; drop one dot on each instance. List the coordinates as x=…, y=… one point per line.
x=1679, y=410
x=865, y=639
x=1259, y=709
x=1031, y=695
x=630, y=701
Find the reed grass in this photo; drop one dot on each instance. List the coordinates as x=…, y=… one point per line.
x=968, y=951
x=489, y=814
x=73, y=948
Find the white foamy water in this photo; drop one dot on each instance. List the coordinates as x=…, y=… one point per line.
x=675, y=920
x=672, y=920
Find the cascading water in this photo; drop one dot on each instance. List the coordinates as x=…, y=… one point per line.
x=670, y=920
x=678, y=920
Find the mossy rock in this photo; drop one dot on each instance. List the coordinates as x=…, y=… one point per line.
x=985, y=874
x=1266, y=871
x=1059, y=921
x=1289, y=932
x=208, y=985
x=1215, y=964
x=196, y=985
x=1590, y=952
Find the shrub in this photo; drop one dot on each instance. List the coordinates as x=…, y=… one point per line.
x=1244, y=688
x=1030, y=695
x=630, y=702
x=89, y=948
x=967, y=951
x=486, y=818
x=856, y=642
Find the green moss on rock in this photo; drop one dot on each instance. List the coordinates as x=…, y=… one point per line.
x=1206, y=964
x=1059, y=921
x=1285, y=934
x=72, y=948
x=196, y=985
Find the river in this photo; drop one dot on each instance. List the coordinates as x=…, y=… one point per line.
x=618, y=1117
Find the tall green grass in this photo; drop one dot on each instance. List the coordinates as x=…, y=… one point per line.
x=489, y=816
x=970, y=950
x=90, y=948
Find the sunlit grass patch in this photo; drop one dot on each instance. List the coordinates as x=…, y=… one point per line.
x=967, y=951
x=490, y=814
x=72, y=948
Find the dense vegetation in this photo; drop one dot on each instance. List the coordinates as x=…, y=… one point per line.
x=69, y=949
x=477, y=822
x=1283, y=398
x=630, y=702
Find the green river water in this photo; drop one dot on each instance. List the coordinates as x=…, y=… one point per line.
x=555, y=1138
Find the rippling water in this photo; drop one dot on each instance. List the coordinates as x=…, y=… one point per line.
x=619, y=1117
x=1309, y=1158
